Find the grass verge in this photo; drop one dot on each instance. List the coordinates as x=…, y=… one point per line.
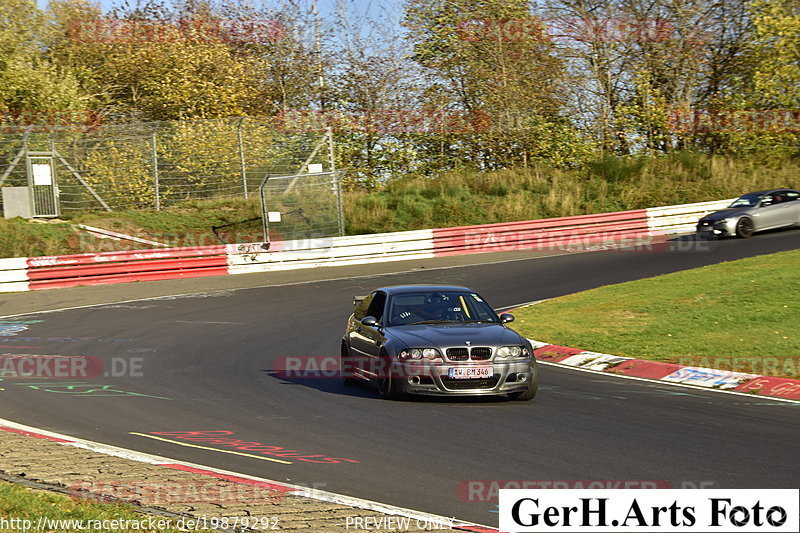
x=740, y=316
x=455, y=198
x=23, y=509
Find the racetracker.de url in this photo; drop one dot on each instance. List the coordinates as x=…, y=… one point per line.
x=44, y=523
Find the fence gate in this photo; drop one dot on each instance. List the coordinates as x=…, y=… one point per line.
x=42, y=184
x=302, y=206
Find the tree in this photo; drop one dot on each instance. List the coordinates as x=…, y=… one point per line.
x=491, y=58
x=29, y=83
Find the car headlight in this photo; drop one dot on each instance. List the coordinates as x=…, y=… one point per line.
x=721, y=221
x=419, y=353
x=509, y=351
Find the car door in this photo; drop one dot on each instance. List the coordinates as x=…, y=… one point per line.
x=768, y=214
x=373, y=336
x=355, y=335
x=788, y=208
x=366, y=341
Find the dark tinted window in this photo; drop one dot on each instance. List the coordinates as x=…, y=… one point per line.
x=434, y=306
x=376, y=305
x=748, y=200
x=361, y=309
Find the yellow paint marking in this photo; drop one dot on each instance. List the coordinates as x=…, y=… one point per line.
x=211, y=449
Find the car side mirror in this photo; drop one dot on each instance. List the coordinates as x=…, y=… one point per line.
x=505, y=318
x=369, y=321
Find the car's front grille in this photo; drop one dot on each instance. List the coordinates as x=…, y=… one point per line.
x=471, y=384
x=463, y=354
x=458, y=354
x=481, y=354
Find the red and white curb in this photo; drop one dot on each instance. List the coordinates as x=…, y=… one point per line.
x=637, y=229
x=780, y=389
x=285, y=488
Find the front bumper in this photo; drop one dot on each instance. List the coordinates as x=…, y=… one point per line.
x=432, y=379
x=717, y=228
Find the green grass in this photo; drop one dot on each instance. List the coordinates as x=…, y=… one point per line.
x=741, y=315
x=22, y=503
x=611, y=184
x=20, y=238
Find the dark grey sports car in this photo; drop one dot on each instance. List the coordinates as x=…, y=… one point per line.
x=436, y=340
x=757, y=211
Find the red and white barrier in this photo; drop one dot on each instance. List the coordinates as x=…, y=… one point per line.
x=587, y=232
x=14, y=274
x=707, y=378
x=126, y=266
x=332, y=251
x=674, y=219
x=624, y=227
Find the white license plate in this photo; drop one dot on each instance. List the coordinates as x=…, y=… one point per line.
x=471, y=372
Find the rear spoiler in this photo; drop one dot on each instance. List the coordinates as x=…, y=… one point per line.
x=357, y=300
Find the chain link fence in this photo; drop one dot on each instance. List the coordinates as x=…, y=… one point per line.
x=302, y=207
x=161, y=164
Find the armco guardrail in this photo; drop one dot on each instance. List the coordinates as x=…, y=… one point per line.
x=14, y=274
x=333, y=251
x=622, y=228
x=681, y=218
x=607, y=228
x=120, y=267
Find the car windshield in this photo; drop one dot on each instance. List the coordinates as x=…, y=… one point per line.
x=748, y=200
x=437, y=307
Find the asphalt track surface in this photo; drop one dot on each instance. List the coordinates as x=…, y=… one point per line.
x=210, y=359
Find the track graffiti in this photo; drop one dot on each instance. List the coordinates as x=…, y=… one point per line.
x=225, y=438
x=83, y=389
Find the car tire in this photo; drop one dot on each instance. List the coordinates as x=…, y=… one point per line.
x=389, y=388
x=528, y=394
x=345, y=369
x=744, y=228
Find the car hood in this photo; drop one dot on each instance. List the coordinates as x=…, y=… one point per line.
x=727, y=213
x=449, y=335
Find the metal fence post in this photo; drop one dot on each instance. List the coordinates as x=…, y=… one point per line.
x=241, y=157
x=337, y=183
x=264, y=214
x=154, y=147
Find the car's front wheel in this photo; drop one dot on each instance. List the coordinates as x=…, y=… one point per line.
x=744, y=228
x=389, y=388
x=527, y=394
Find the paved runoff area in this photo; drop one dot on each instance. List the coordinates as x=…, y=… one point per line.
x=185, y=498
x=191, y=498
